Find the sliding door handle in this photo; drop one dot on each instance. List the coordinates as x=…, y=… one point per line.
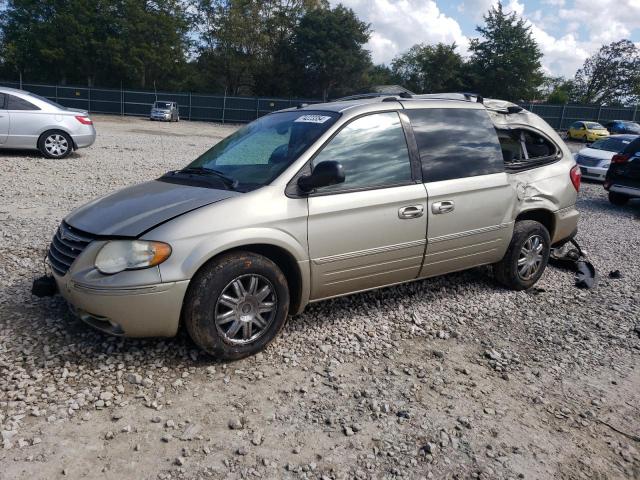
x=445, y=206
x=412, y=211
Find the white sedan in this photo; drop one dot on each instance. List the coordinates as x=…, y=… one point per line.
x=594, y=159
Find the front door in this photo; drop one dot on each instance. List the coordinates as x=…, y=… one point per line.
x=470, y=198
x=370, y=230
x=4, y=120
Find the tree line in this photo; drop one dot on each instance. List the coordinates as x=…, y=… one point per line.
x=283, y=48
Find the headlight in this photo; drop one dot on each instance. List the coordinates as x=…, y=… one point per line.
x=119, y=255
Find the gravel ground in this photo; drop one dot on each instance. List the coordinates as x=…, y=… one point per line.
x=453, y=377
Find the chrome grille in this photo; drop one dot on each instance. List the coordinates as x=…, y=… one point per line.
x=586, y=161
x=66, y=245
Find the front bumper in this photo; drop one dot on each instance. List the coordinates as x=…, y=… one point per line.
x=594, y=173
x=594, y=137
x=160, y=116
x=142, y=311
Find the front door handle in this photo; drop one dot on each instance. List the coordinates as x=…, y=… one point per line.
x=445, y=206
x=413, y=211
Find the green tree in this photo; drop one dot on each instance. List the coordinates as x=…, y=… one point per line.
x=380, y=75
x=96, y=41
x=328, y=48
x=431, y=69
x=505, y=61
x=611, y=76
x=246, y=44
x=556, y=90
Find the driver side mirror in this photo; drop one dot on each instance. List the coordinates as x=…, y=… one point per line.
x=324, y=174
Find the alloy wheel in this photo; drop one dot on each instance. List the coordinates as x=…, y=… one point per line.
x=530, y=258
x=245, y=309
x=56, y=145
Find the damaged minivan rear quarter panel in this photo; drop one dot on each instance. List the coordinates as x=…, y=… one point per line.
x=546, y=187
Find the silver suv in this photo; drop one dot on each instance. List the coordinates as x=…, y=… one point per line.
x=29, y=122
x=316, y=202
x=165, y=111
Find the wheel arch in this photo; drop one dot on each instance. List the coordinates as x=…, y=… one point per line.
x=284, y=260
x=540, y=215
x=57, y=129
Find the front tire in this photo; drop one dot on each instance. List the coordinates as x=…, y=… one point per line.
x=618, y=199
x=236, y=305
x=55, y=144
x=526, y=258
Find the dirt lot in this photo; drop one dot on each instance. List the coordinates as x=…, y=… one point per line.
x=452, y=377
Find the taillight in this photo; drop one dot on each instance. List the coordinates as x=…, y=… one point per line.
x=620, y=158
x=576, y=177
x=84, y=120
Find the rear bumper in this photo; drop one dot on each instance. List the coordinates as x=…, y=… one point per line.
x=86, y=140
x=145, y=311
x=632, y=192
x=566, y=224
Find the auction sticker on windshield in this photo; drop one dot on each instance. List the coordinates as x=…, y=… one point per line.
x=313, y=119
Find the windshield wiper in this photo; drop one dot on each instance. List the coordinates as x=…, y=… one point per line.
x=229, y=181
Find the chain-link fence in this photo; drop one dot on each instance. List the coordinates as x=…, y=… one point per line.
x=221, y=108
x=192, y=106
x=561, y=117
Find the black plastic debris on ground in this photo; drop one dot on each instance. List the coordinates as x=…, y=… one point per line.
x=571, y=257
x=44, y=286
x=615, y=274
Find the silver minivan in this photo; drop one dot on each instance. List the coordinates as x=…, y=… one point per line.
x=31, y=122
x=316, y=202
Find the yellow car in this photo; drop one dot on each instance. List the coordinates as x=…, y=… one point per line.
x=587, y=131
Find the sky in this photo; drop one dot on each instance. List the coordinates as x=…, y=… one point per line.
x=567, y=31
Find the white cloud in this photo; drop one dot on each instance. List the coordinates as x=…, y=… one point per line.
x=566, y=32
x=398, y=25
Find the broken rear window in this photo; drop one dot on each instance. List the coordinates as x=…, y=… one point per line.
x=522, y=149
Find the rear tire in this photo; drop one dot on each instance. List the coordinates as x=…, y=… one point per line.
x=618, y=199
x=526, y=258
x=236, y=305
x=55, y=144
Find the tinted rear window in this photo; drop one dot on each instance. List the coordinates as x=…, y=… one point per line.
x=17, y=103
x=455, y=143
x=633, y=148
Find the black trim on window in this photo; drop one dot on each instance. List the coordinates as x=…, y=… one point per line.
x=414, y=154
x=2, y=97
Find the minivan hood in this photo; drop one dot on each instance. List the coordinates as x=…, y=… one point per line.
x=134, y=210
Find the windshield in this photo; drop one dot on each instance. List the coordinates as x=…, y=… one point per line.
x=610, y=144
x=260, y=151
x=46, y=100
x=594, y=126
x=631, y=126
x=163, y=105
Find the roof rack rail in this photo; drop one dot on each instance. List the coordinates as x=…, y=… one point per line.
x=469, y=97
x=363, y=96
